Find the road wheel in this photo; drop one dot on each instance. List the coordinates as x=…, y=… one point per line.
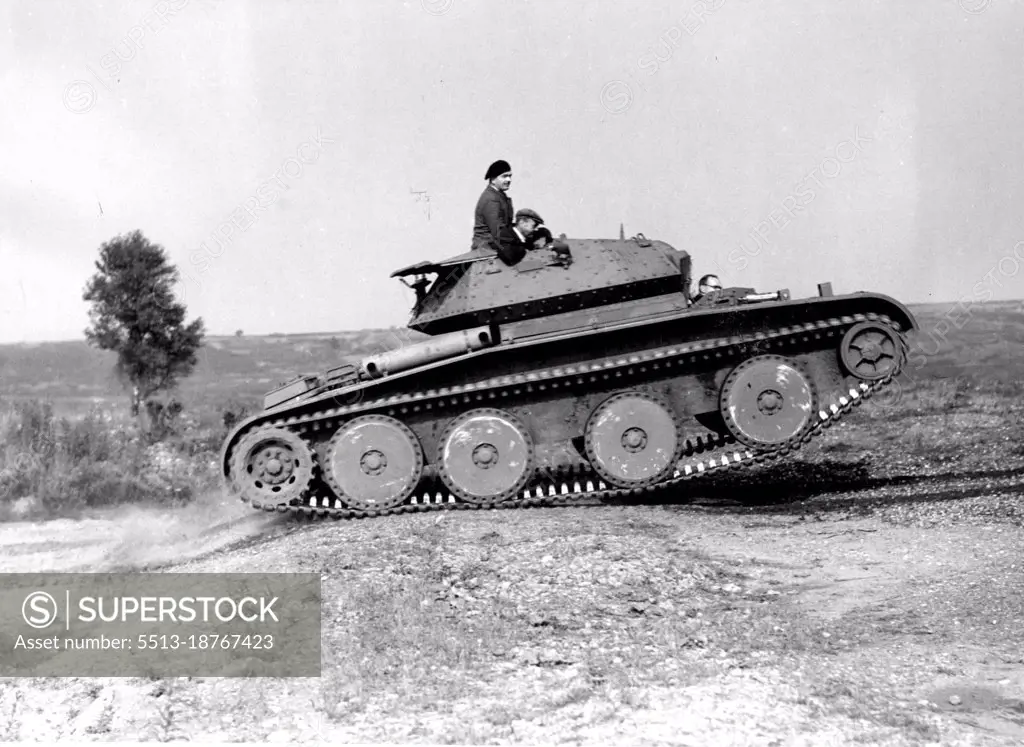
x=768, y=401
x=485, y=456
x=374, y=462
x=632, y=439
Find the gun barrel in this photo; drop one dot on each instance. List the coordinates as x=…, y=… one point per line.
x=435, y=349
x=779, y=295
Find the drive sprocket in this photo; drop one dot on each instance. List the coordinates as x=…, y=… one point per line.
x=871, y=351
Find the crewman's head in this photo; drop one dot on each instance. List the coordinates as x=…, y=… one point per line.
x=709, y=283
x=499, y=174
x=527, y=221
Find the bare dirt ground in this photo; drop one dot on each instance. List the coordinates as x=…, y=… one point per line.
x=869, y=593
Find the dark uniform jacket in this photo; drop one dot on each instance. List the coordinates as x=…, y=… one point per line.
x=492, y=228
x=513, y=249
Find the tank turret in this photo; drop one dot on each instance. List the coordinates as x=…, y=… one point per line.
x=478, y=288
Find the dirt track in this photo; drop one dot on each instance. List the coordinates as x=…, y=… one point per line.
x=620, y=624
x=129, y=538
x=861, y=595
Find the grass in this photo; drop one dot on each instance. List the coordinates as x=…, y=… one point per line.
x=838, y=695
x=405, y=632
x=450, y=627
x=59, y=466
x=10, y=721
x=439, y=634
x=400, y=639
x=67, y=446
x=169, y=713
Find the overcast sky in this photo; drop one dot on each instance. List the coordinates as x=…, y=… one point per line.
x=873, y=143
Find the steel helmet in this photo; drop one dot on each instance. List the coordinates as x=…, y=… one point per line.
x=709, y=283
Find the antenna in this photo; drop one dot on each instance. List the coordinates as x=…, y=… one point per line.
x=422, y=196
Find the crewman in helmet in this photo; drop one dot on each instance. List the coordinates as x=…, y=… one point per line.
x=707, y=284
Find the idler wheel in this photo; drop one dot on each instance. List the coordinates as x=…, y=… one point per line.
x=870, y=351
x=485, y=455
x=272, y=465
x=768, y=401
x=632, y=440
x=374, y=462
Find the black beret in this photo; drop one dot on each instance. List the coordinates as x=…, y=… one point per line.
x=497, y=169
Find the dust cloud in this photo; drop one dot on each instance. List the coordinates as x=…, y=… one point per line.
x=134, y=538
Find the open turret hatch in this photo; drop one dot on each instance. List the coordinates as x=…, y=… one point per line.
x=429, y=268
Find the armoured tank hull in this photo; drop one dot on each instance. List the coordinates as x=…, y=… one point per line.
x=593, y=401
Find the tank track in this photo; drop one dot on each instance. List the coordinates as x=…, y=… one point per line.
x=579, y=485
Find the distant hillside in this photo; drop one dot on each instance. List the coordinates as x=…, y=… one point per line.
x=75, y=375
x=988, y=345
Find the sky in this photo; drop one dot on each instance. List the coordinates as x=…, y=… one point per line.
x=290, y=155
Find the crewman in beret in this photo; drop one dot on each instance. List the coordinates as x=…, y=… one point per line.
x=492, y=227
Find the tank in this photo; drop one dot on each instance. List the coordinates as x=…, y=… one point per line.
x=586, y=371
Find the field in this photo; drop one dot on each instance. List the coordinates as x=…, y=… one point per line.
x=77, y=377
x=867, y=592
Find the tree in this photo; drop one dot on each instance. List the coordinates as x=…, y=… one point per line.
x=134, y=313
